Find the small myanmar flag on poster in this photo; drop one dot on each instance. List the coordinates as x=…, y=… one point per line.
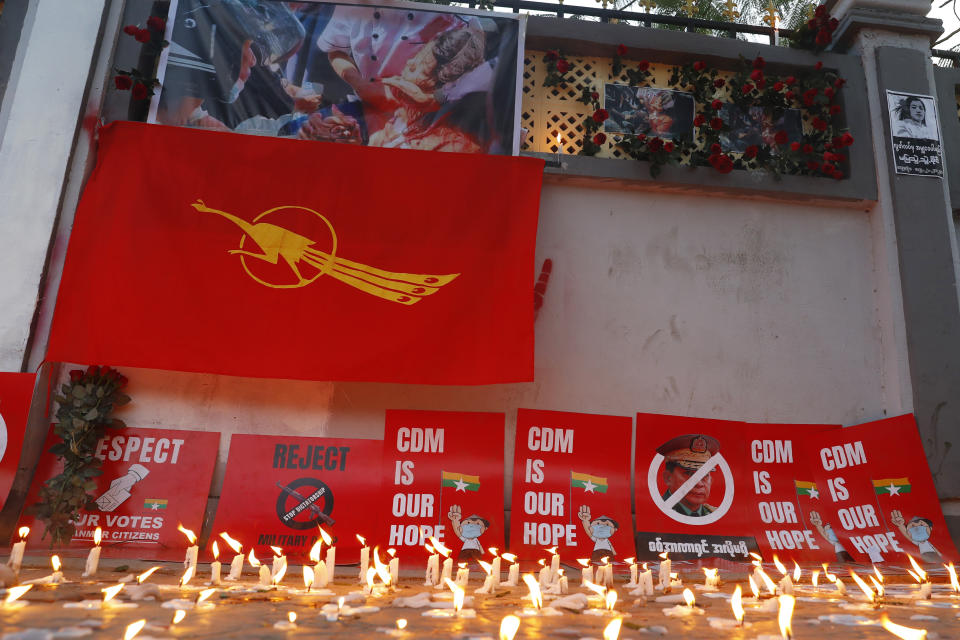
x=588, y=482
x=461, y=481
x=891, y=486
x=154, y=504
x=805, y=488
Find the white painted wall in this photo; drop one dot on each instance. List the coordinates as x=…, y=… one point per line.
x=38, y=119
x=713, y=307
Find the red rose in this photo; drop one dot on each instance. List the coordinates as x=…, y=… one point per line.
x=93, y=370
x=716, y=105
x=641, y=137
x=759, y=62
x=757, y=75
x=839, y=82
x=668, y=146
x=76, y=375
x=762, y=84
x=828, y=168
x=812, y=165
x=791, y=80
x=819, y=124
x=778, y=86
x=699, y=120
x=846, y=139
x=123, y=381
x=780, y=137
x=156, y=23
x=594, y=96
x=808, y=148
x=139, y=91
x=823, y=38
x=789, y=95
x=829, y=92
x=699, y=65
x=820, y=11
x=818, y=66
x=746, y=88
x=655, y=145
x=715, y=148
x=143, y=35
x=721, y=162
x=716, y=124
x=122, y=82
x=719, y=82
x=600, y=138
x=131, y=30
x=551, y=56
x=838, y=175
x=751, y=151
x=562, y=65
x=828, y=146
x=795, y=146
x=600, y=115
x=643, y=65
x=621, y=50
x=835, y=109
x=833, y=24
x=811, y=24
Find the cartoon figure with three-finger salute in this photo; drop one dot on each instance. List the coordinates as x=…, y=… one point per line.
x=469, y=530
x=600, y=530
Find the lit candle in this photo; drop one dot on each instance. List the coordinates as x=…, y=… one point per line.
x=490, y=583
x=711, y=580
x=57, y=576
x=190, y=559
x=433, y=567
x=633, y=572
x=264, y=570
x=215, y=565
x=554, y=564
x=133, y=629
x=605, y=573
x=508, y=627
x=787, y=603
x=785, y=587
x=187, y=575
x=586, y=574
x=394, y=567
x=665, y=572
x=9, y=602
x=495, y=565
x=364, y=557
x=279, y=565
x=16, y=552
x=446, y=572
x=513, y=574
x=736, y=603
x=463, y=574
x=320, y=574
x=920, y=576
x=954, y=583
x=544, y=578
x=93, y=559
x=288, y=624
x=646, y=581
x=308, y=578
x=236, y=566
x=331, y=563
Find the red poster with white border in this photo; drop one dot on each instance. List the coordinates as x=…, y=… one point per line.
x=16, y=393
x=278, y=490
x=153, y=480
x=878, y=497
x=443, y=477
x=571, y=486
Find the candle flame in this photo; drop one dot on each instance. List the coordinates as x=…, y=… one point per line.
x=605, y=560
x=401, y=623
x=493, y=551
x=914, y=576
x=369, y=577
x=535, y=597
x=462, y=565
x=134, y=628
x=542, y=562
x=325, y=536
x=583, y=562
x=954, y=584
x=786, y=613
x=710, y=573
x=440, y=547
x=826, y=572
x=216, y=550
x=55, y=562
x=900, y=631
x=252, y=559
x=458, y=594
x=307, y=578
x=391, y=552
x=97, y=536
x=612, y=630
x=598, y=589
x=277, y=551
x=191, y=536
x=186, y=576
x=110, y=592
x=767, y=582
x=916, y=567
x=610, y=600
x=340, y=603
x=779, y=565
x=871, y=596
x=278, y=576
x=314, y=554
x=23, y=532
x=429, y=549
x=552, y=550
x=878, y=585
x=146, y=574
x=797, y=571
x=363, y=541
x=205, y=595
x=234, y=544
x=486, y=566
x=292, y=617
x=877, y=573
x=508, y=627
x=15, y=592
x=756, y=557
x=630, y=560
x=815, y=577
x=178, y=616
x=509, y=557
x=688, y=597
x=665, y=555
x=382, y=568
x=753, y=587
x=736, y=603
x=645, y=566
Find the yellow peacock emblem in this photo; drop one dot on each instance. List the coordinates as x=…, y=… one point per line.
x=276, y=242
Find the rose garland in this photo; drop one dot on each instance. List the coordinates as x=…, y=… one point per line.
x=84, y=415
x=814, y=93
x=817, y=32
x=140, y=85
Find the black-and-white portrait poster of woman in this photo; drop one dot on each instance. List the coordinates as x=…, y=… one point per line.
x=915, y=133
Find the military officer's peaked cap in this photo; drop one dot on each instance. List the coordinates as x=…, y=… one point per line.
x=689, y=451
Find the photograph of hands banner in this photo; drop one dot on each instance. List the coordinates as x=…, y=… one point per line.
x=218, y=253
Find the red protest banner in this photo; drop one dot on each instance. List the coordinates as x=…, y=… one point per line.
x=285, y=263
x=153, y=480
x=443, y=477
x=16, y=392
x=278, y=490
x=877, y=495
x=571, y=486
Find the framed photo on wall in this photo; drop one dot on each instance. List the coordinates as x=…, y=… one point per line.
x=915, y=134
